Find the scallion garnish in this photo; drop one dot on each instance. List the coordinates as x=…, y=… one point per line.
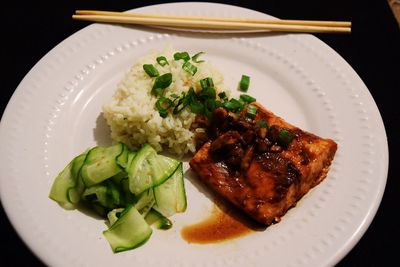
x=206, y=82
x=197, y=107
x=182, y=103
x=157, y=91
x=196, y=56
x=163, y=103
x=191, y=95
x=182, y=55
x=189, y=67
x=244, y=83
x=160, y=83
x=162, y=61
x=211, y=104
x=203, y=102
x=223, y=96
x=285, y=137
x=207, y=93
x=163, y=113
x=262, y=123
x=242, y=102
x=251, y=111
x=233, y=105
x=218, y=104
x=248, y=99
x=151, y=70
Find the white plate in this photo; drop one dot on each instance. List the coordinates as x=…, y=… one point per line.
x=55, y=114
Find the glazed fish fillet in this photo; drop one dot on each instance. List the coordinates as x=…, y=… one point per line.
x=262, y=165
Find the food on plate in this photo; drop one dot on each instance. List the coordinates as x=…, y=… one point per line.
x=244, y=83
x=134, y=190
x=150, y=104
x=176, y=102
x=260, y=163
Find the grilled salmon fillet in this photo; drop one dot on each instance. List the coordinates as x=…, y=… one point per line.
x=262, y=165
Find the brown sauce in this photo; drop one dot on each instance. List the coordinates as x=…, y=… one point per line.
x=223, y=224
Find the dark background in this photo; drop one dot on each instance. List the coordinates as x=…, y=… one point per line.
x=31, y=29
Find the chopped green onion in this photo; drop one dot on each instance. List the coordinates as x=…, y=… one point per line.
x=162, y=105
x=197, y=107
x=191, y=95
x=182, y=103
x=196, y=56
x=210, y=104
x=242, y=102
x=251, y=111
x=189, y=67
x=248, y=99
x=151, y=70
x=285, y=137
x=244, y=83
x=233, y=105
x=262, y=123
x=163, y=113
x=206, y=82
x=160, y=83
x=162, y=61
x=163, y=81
x=223, y=96
x=207, y=93
x=157, y=91
x=182, y=55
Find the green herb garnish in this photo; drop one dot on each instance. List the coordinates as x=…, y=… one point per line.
x=197, y=107
x=182, y=103
x=151, y=70
x=160, y=83
x=244, y=83
x=223, y=96
x=162, y=61
x=233, y=105
x=196, y=56
x=206, y=82
x=262, y=123
x=162, y=105
x=207, y=93
x=251, y=111
x=285, y=138
x=205, y=101
x=189, y=68
x=248, y=99
x=182, y=55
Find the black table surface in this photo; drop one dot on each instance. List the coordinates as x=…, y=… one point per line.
x=33, y=28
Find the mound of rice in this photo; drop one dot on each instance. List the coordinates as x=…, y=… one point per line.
x=131, y=113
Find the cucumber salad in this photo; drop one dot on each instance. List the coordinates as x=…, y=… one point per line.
x=133, y=190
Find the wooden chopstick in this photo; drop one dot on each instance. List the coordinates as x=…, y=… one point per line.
x=213, y=22
x=252, y=20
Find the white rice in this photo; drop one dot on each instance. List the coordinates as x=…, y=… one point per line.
x=131, y=113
